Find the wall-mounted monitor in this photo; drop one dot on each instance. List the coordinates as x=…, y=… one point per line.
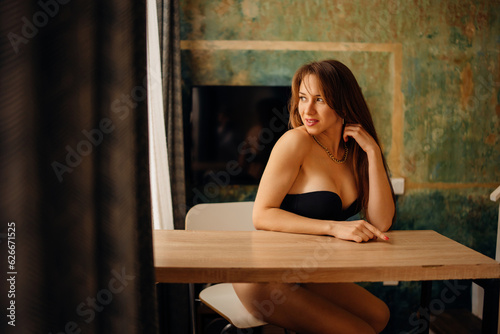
x=233, y=130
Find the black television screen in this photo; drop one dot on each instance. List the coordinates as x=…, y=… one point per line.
x=234, y=129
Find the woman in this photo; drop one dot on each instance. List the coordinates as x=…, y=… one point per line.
x=324, y=170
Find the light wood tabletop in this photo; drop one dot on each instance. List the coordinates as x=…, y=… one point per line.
x=262, y=256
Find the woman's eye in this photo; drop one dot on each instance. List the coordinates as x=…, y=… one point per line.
x=319, y=99
x=302, y=98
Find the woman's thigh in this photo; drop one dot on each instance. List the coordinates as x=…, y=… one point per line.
x=354, y=299
x=299, y=309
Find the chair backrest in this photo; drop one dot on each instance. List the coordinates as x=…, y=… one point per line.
x=495, y=197
x=233, y=216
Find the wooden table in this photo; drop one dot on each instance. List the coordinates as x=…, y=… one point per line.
x=263, y=256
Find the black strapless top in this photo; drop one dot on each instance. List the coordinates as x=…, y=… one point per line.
x=325, y=205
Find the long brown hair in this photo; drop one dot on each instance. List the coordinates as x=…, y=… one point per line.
x=343, y=94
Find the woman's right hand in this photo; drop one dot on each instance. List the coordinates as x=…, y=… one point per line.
x=356, y=230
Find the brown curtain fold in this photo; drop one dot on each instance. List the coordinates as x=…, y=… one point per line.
x=75, y=170
x=174, y=315
x=169, y=31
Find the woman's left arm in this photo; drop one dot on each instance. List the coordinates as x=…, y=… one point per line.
x=381, y=208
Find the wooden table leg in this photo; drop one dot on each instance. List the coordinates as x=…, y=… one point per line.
x=192, y=307
x=490, y=305
x=425, y=299
x=162, y=307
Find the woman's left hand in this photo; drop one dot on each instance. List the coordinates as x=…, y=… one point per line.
x=363, y=138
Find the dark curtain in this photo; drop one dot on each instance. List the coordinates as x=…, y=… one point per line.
x=174, y=311
x=74, y=168
x=169, y=31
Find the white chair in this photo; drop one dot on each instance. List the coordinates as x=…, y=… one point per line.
x=234, y=216
x=477, y=291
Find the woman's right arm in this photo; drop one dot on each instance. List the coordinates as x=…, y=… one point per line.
x=281, y=171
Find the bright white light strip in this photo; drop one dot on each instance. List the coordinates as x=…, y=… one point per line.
x=161, y=196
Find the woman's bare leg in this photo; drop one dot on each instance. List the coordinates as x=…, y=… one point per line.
x=299, y=309
x=356, y=300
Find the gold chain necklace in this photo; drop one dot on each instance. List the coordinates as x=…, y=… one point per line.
x=331, y=155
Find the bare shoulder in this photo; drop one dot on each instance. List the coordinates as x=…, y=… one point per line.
x=296, y=140
x=283, y=166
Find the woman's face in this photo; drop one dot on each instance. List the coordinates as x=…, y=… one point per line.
x=315, y=113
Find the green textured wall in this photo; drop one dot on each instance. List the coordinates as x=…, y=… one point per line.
x=436, y=107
